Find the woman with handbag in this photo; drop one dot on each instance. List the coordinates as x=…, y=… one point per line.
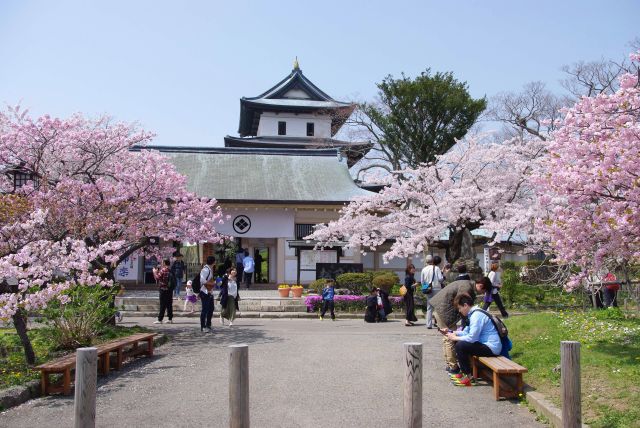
x=229, y=296
x=410, y=286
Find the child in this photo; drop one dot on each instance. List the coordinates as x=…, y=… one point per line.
x=327, y=299
x=190, y=298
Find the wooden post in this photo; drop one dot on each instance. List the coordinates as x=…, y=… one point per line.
x=86, y=380
x=570, y=381
x=412, y=400
x=239, y=386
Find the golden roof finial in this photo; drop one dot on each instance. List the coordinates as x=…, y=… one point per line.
x=296, y=66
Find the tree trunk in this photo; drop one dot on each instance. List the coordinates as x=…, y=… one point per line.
x=20, y=323
x=454, y=251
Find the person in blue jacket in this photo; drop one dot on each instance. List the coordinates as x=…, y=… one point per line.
x=479, y=338
x=327, y=299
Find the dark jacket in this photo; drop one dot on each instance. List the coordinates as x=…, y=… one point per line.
x=463, y=276
x=443, y=301
x=409, y=306
x=178, y=268
x=371, y=312
x=224, y=292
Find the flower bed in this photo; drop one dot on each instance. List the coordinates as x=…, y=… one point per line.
x=347, y=303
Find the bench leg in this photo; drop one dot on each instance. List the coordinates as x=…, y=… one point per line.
x=496, y=386
x=150, y=346
x=119, y=358
x=474, y=367
x=44, y=383
x=66, y=382
x=519, y=384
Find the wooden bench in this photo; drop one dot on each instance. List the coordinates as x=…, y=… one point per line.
x=505, y=374
x=123, y=348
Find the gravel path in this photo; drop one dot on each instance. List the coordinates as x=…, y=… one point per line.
x=303, y=373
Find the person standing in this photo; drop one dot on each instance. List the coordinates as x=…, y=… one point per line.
x=162, y=276
x=258, y=262
x=410, y=285
x=239, y=264
x=207, y=282
x=178, y=270
x=447, y=315
x=431, y=275
x=328, y=294
x=249, y=265
x=229, y=296
x=496, y=284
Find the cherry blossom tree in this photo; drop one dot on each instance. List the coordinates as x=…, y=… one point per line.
x=91, y=202
x=477, y=184
x=591, y=180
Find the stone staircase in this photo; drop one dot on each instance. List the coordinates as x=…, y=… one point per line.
x=250, y=307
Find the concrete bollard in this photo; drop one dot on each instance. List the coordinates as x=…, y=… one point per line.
x=85, y=394
x=570, y=384
x=239, y=386
x=412, y=399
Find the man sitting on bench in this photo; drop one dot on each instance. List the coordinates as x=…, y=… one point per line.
x=479, y=338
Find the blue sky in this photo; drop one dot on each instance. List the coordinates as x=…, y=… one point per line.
x=179, y=68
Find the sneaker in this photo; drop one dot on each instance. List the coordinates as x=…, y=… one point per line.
x=453, y=370
x=170, y=322
x=465, y=380
x=429, y=327
x=321, y=318
x=230, y=323
x=157, y=322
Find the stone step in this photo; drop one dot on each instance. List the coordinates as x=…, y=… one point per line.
x=243, y=307
x=216, y=315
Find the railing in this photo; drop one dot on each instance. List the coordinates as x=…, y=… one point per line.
x=303, y=230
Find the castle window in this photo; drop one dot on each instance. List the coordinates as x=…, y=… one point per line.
x=282, y=128
x=310, y=129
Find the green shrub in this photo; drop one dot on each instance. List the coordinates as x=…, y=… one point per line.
x=317, y=285
x=79, y=321
x=357, y=283
x=386, y=281
x=510, y=281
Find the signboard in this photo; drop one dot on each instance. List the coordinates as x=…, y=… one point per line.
x=309, y=258
x=128, y=269
x=332, y=270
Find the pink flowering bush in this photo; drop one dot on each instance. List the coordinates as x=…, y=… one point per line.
x=347, y=302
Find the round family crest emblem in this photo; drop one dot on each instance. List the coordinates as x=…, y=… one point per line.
x=241, y=224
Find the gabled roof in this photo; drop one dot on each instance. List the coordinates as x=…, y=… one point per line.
x=295, y=93
x=300, y=176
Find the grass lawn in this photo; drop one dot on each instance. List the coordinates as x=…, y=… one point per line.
x=13, y=368
x=610, y=360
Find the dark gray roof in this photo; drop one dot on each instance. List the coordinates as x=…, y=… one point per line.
x=354, y=151
x=276, y=99
x=267, y=176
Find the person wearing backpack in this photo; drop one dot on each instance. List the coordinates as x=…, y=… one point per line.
x=207, y=282
x=479, y=338
x=430, y=278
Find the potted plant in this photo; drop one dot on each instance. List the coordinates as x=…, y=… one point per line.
x=297, y=290
x=284, y=289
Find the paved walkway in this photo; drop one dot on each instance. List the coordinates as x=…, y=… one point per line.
x=303, y=373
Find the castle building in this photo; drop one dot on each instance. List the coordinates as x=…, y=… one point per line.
x=283, y=174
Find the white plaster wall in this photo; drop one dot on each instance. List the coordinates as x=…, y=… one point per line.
x=290, y=271
x=296, y=124
x=367, y=261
